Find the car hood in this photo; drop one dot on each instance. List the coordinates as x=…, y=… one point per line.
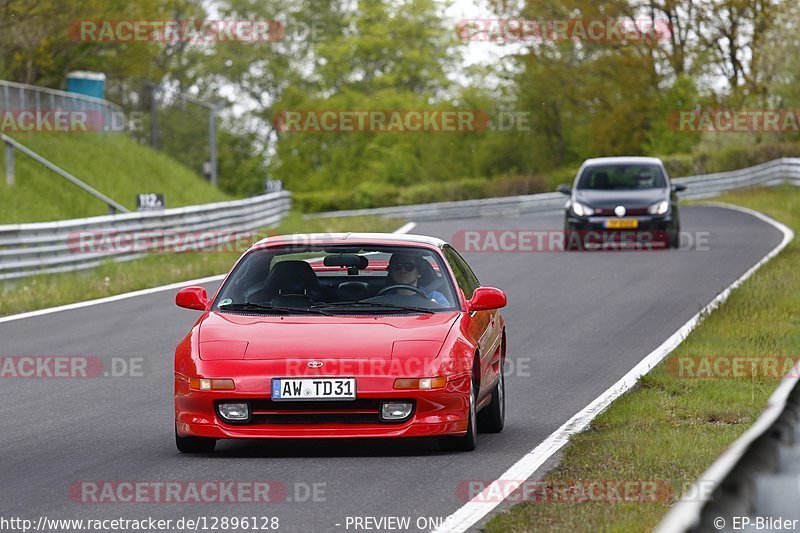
x=629, y=199
x=230, y=336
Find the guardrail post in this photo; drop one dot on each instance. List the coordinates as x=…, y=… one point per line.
x=9, y=153
x=212, y=143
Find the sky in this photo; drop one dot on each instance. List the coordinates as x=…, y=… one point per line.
x=475, y=52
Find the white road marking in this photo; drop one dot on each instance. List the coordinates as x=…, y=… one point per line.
x=481, y=505
x=406, y=227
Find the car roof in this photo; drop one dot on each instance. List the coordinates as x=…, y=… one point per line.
x=352, y=238
x=622, y=160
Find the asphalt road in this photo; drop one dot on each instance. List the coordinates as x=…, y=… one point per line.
x=576, y=323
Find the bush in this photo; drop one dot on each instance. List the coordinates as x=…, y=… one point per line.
x=680, y=165
x=723, y=158
x=316, y=202
x=375, y=194
x=368, y=194
x=517, y=185
x=742, y=156
x=561, y=176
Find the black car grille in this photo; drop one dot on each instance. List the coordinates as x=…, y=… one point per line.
x=359, y=411
x=608, y=211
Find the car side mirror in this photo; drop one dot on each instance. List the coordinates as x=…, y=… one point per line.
x=566, y=190
x=486, y=298
x=192, y=298
x=678, y=187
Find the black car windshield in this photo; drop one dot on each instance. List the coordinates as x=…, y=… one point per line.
x=622, y=177
x=336, y=279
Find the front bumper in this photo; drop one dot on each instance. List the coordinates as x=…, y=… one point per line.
x=436, y=412
x=644, y=222
x=594, y=230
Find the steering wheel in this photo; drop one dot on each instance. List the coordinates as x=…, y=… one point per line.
x=400, y=287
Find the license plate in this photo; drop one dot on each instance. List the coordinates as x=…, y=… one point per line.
x=622, y=223
x=314, y=389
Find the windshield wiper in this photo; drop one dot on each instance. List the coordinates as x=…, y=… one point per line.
x=247, y=306
x=375, y=304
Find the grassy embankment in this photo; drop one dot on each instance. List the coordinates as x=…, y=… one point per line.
x=114, y=164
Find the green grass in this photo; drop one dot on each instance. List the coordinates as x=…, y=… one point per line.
x=671, y=428
x=112, y=278
x=114, y=164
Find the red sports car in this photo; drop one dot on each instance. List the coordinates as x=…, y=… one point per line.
x=342, y=336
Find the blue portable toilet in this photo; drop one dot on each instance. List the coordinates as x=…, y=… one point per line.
x=87, y=83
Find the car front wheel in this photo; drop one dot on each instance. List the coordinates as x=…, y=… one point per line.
x=469, y=441
x=492, y=418
x=674, y=238
x=572, y=239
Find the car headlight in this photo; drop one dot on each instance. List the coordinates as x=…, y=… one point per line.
x=581, y=210
x=660, y=208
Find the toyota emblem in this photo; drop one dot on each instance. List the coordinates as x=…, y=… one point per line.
x=315, y=364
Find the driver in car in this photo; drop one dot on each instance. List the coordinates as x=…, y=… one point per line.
x=404, y=270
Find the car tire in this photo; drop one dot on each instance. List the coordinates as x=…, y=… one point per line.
x=194, y=444
x=572, y=240
x=492, y=418
x=469, y=441
x=674, y=239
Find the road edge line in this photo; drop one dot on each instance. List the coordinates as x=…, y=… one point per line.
x=475, y=510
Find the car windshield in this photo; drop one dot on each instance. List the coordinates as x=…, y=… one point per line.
x=329, y=280
x=622, y=177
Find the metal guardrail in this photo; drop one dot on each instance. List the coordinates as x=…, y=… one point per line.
x=21, y=97
x=69, y=245
x=757, y=477
x=27, y=249
x=705, y=186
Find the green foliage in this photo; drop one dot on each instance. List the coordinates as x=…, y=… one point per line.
x=741, y=156
x=579, y=98
x=679, y=165
x=375, y=194
x=39, y=43
x=726, y=155
x=664, y=136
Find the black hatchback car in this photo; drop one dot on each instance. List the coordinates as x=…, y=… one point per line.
x=619, y=199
